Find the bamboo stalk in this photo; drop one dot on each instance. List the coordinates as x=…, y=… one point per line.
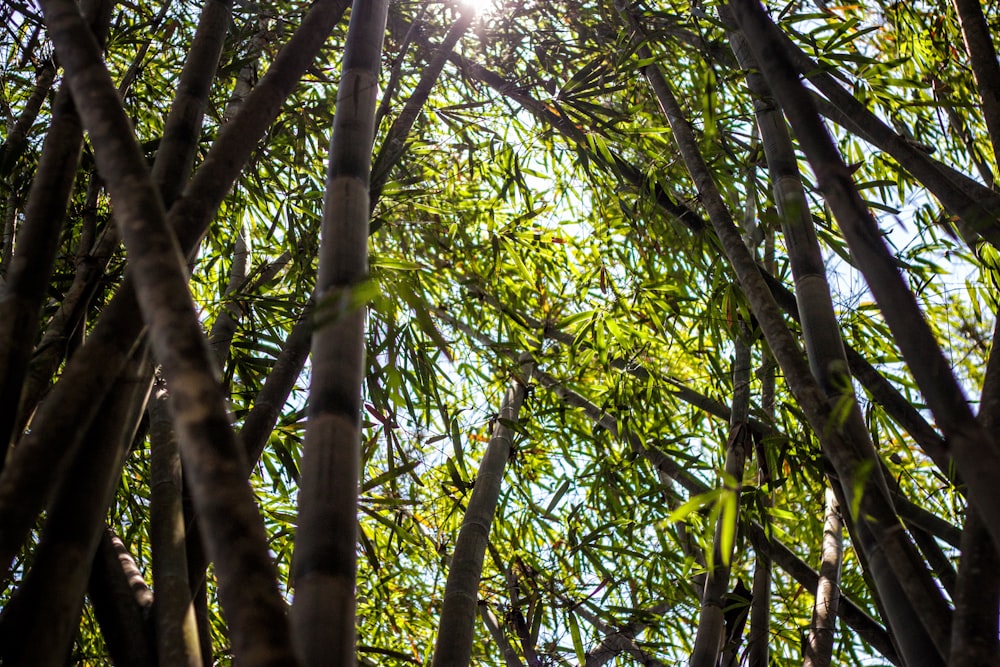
x=455, y=634
x=324, y=562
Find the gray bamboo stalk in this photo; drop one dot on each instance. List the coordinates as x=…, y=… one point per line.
x=394, y=144
x=823, y=627
x=220, y=338
x=125, y=85
x=28, y=272
x=17, y=134
x=396, y=71
x=759, y=639
x=324, y=561
x=708, y=643
x=983, y=59
x=510, y=658
x=267, y=405
x=43, y=455
x=974, y=450
x=177, y=641
x=233, y=528
x=885, y=546
x=42, y=618
x=620, y=641
x=121, y=602
x=456, y=627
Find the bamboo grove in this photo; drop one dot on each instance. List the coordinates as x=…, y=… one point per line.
x=521, y=333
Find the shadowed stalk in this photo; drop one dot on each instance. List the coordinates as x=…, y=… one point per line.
x=177, y=641
x=977, y=589
x=324, y=563
x=456, y=627
x=17, y=136
x=30, y=268
x=121, y=603
x=976, y=454
x=43, y=455
x=41, y=619
x=510, y=658
x=233, y=528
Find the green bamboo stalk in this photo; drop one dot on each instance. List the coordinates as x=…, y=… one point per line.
x=324, y=561
x=455, y=633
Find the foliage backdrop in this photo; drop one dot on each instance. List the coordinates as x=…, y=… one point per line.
x=552, y=291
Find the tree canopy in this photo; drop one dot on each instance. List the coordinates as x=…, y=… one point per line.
x=511, y=333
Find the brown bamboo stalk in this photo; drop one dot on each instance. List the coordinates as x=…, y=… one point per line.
x=324, y=561
x=17, y=136
x=175, y=155
x=233, y=528
x=28, y=273
x=977, y=589
x=42, y=456
x=510, y=658
x=983, y=59
x=456, y=627
x=974, y=451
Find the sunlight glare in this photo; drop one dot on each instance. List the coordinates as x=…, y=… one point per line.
x=482, y=7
